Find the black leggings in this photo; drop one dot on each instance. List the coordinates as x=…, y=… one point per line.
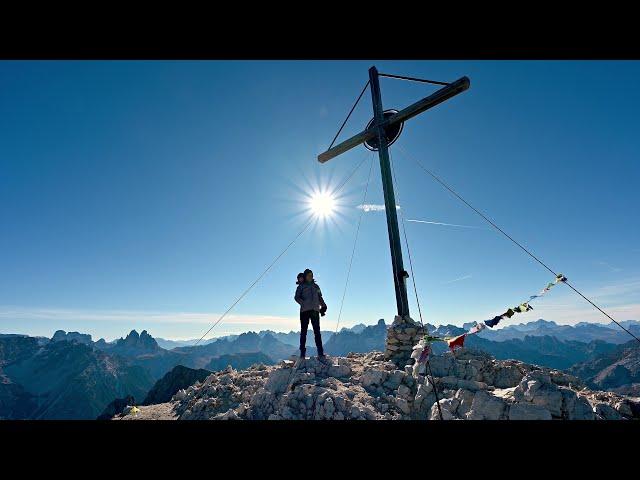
x=304, y=326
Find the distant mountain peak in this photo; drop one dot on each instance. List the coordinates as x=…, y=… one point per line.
x=133, y=334
x=581, y=331
x=542, y=321
x=135, y=341
x=249, y=334
x=357, y=328
x=62, y=336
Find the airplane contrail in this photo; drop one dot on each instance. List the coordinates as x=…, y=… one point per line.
x=445, y=224
x=465, y=277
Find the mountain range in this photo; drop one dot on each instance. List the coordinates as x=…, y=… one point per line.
x=290, y=338
x=71, y=376
x=582, y=332
x=617, y=370
x=63, y=379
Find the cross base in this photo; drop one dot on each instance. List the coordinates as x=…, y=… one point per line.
x=402, y=335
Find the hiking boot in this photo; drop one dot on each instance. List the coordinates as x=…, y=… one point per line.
x=324, y=359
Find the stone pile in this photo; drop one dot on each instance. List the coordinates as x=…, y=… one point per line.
x=402, y=335
x=470, y=385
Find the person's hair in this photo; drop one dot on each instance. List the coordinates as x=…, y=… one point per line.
x=307, y=271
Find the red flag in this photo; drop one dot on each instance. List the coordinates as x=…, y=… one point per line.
x=457, y=342
x=425, y=353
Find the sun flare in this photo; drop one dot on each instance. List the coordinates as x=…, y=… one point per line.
x=322, y=204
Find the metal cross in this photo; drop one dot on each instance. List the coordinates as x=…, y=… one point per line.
x=376, y=135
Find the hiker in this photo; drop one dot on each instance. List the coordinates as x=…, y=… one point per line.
x=309, y=296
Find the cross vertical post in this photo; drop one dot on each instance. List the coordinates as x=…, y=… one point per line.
x=399, y=273
x=383, y=124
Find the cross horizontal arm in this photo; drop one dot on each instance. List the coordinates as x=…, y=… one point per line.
x=411, y=111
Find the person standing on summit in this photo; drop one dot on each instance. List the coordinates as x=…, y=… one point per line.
x=309, y=297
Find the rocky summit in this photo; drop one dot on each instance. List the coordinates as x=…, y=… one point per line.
x=470, y=385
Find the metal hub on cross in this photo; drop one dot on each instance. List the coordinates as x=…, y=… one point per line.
x=391, y=132
x=392, y=121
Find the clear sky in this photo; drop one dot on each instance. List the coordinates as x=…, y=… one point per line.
x=151, y=194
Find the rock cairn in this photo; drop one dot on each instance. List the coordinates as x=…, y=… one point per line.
x=402, y=335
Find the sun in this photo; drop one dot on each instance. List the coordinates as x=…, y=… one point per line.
x=322, y=204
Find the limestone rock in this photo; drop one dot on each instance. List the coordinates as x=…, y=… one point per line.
x=486, y=406
x=469, y=384
x=575, y=407
x=537, y=388
x=434, y=414
x=465, y=399
x=528, y=411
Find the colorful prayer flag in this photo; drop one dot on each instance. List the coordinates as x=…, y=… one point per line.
x=457, y=342
x=423, y=346
x=493, y=322
x=476, y=328
x=425, y=354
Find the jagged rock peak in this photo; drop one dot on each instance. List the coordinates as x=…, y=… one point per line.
x=250, y=334
x=62, y=336
x=142, y=341
x=133, y=334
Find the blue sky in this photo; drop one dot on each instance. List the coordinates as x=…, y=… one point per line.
x=150, y=194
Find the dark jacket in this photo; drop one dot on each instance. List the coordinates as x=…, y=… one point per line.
x=309, y=296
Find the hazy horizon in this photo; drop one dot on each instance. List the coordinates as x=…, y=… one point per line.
x=238, y=330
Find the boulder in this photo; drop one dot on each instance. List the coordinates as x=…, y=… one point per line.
x=278, y=380
x=465, y=399
x=394, y=380
x=434, y=414
x=537, y=388
x=339, y=371
x=575, y=407
x=528, y=411
x=403, y=406
x=372, y=377
x=404, y=392
x=486, y=406
x=441, y=365
x=505, y=375
x=455, y=383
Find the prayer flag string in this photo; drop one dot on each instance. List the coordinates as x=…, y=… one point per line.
x=422, y=349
